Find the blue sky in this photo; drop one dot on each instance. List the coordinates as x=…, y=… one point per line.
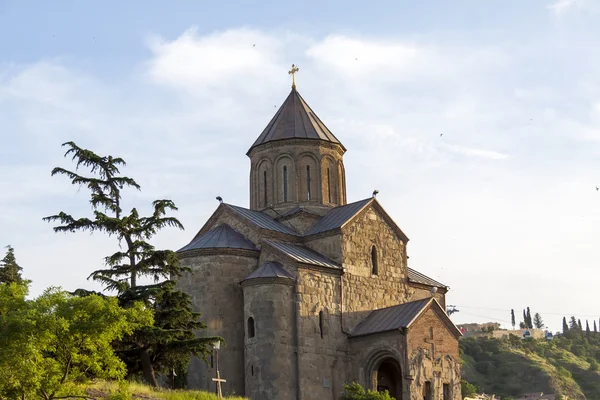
x=502, y=206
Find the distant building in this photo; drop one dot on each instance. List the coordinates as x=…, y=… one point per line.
x=311, y=292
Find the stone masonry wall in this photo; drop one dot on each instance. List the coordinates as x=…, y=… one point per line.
x=269, y=355
x=330, y=246
x=214, y=287
x=418, y=293
x=363, y=291
x=322, y=344
x=437, y=363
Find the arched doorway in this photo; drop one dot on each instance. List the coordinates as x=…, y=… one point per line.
x=388, y=376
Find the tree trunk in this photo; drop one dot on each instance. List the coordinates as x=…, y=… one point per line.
x=147, y=368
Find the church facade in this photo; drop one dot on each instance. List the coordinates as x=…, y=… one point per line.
x=311, y=292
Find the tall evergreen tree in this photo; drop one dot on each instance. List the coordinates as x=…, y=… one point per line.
x=537, y=321
x=512, y=317
x=579, y=326
x=525, y=318
x=573, y=324
x=565, y=327
x=587, y=329
x=10, y=271
x=169, y=343
x=529, y=320
x=595, y=327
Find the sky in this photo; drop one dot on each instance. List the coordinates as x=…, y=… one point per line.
x=478, y=122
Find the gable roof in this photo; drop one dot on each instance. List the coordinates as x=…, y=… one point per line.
x=261, y=220
x=295, y=120
x=302, y=254
x=270, y=269
x=398, y=317
x=338, y=216
x=223, y=236
x=417, y=277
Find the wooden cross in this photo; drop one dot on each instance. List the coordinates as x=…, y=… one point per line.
x=219, y=381
x=292, y=72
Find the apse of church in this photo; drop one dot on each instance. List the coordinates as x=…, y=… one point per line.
x=311, y=292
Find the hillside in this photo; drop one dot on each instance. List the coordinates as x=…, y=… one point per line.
x=510, y=367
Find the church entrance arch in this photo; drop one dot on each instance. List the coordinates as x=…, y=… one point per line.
x=389, y=377
x=384, y=373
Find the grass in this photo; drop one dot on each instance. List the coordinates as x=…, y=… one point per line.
x=130, y=391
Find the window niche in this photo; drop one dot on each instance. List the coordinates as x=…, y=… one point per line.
x=374, y=265
x=251, y=331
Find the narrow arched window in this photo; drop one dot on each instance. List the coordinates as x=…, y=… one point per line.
x=374, y=267
x=308, y=182
x=265, y=187
x=321, y=323
x=328, y=185
x=285, y=183
x=251, y=327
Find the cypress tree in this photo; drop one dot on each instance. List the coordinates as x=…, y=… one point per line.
x=579, y=325
x=10, y=271
x=169, y=343
x=525, y=319
x=529, y=321
x=565, y=327
x=512, y=317
x=587, y=329
x=595, y=328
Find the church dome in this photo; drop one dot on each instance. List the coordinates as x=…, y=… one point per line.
x=295, y=120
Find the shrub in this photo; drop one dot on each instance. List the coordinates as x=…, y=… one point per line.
x=467, y=389
x=357, y=392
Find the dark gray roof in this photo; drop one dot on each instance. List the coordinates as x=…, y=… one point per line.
x=337, y=217
x=296, y=210
x=390, y=318
x=417, y=277
x=223, y=236
x=270, y=269
x=303, y=254
x=262, y=220
x=295, y=120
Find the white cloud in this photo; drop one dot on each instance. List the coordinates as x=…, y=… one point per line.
x=563, y=6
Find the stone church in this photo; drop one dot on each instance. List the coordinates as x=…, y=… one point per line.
x=309, y=291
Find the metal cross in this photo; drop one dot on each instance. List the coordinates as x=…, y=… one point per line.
x=219, y=381
x=292, y=72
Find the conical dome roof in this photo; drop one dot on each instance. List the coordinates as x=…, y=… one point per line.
x=295, y=120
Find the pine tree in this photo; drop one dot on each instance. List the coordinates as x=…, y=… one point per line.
x=587, y=329
x=565, y=327
x=573, y=323
x=10, y=271
x=537, y=321
x=512, y=318
x=579, y=326
x=170, y=342
x=529, y=321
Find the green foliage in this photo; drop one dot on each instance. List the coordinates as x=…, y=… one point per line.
x=467, y=389
x=567, y=365
x=537, y=321
x=10, y=271
x=168, y=344
x=512, y=318
x=357, y=392
x=50, y=343
x=565, y=327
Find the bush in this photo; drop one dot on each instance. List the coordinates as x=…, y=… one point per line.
x=357, y=392
x=593, y=365
x=467, y=389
